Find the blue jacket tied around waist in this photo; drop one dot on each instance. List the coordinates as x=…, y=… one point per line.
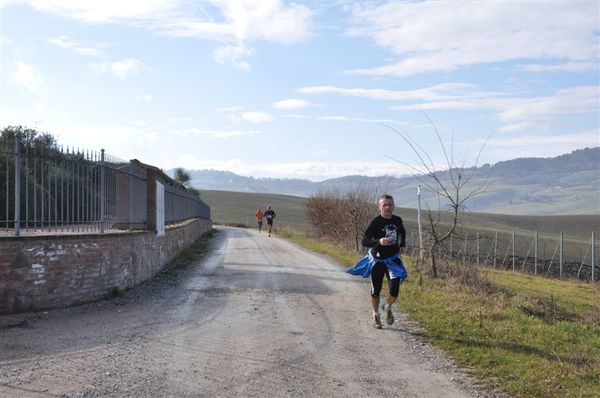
x=366, y=264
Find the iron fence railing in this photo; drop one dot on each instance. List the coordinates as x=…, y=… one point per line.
x=523, y=251
x=47, y=188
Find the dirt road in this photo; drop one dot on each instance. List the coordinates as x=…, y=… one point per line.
x=256, y=317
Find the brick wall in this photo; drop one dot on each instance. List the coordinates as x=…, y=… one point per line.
x=45, y=272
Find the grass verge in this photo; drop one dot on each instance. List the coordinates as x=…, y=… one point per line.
x=525, y=335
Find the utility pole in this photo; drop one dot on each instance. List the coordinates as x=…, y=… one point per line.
x=419, y=222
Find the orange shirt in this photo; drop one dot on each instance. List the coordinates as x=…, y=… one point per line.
x=259, y=215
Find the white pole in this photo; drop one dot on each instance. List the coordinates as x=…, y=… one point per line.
x=102, y=190
x=536, y=253
x=513, y=250
x=17, y=187
x=419, y=222
x=495, y=248
x=477, y=248
x=593, y=254
x=561, y=254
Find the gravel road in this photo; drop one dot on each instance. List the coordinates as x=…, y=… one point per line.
x=257, y=317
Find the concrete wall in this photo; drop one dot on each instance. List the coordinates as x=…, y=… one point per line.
x=43, y=272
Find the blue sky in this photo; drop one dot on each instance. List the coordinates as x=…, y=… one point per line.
x=303, y=89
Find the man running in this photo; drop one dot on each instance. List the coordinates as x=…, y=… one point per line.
x=270, y=215
x=259, y=218
x=385, y=236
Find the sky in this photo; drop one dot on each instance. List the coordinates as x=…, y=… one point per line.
x=308, y=89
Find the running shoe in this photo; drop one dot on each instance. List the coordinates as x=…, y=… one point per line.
x=389, y=317
x=376, y=321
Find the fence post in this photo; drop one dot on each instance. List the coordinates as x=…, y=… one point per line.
x=560, y=264
x=465, y=250
x=17, y=186
x=419, y=223
x=593, y=254
x=102, y=183
x=495, y=248
x=477, y=248
x=513, y=249
x=535, y=255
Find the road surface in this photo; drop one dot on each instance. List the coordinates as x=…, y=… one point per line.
x=256, y=317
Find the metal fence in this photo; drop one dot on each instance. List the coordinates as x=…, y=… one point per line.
x=522, y=251
x=46, y=188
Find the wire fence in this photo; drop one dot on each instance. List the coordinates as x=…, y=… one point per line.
x=522, y=251
x=46, y=188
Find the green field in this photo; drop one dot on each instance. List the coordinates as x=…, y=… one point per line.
x=236, y=208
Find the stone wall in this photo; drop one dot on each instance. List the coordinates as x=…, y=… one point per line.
x=42, y=272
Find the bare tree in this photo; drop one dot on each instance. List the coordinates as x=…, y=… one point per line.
x=452, y=188
x=361, y=208
x=342, y=219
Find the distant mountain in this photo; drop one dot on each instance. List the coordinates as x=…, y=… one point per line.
x=566, y=184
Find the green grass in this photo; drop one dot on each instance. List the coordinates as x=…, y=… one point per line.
x=543, y=341
x=528, y=336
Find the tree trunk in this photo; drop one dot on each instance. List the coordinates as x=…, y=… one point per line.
x=433, y=264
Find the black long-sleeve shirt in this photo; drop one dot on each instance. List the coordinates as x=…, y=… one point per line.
x=392, y=229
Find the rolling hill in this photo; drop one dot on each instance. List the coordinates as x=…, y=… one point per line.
x=564, y=185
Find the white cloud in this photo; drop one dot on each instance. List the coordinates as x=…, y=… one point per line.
x=292, y=103
x=180, y=119
x=439, y=92
x=213, y=133
x=267, y=20
x=144, y=98
x=341, y=118
x=230, y=109
x=256, y=117
x=66, y=42
x=233, y=54
x=569, y=101
x=358, y=119
x=564, y=67
x=28, y=77
x=433, y=36
x=95, y=137
x=120, y=69
x=545, y=146
x=518, y=113
x=107, y=11
x=239, y=22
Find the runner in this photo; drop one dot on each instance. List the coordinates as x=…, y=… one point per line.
x=259, y=218
x=385, y=236
x=270, y=214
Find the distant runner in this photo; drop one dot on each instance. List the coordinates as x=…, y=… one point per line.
x=385, y=236
x=259, y=218
x=270, y=215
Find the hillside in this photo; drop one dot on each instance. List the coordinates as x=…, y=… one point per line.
x=564, y=185
x=239, y=208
